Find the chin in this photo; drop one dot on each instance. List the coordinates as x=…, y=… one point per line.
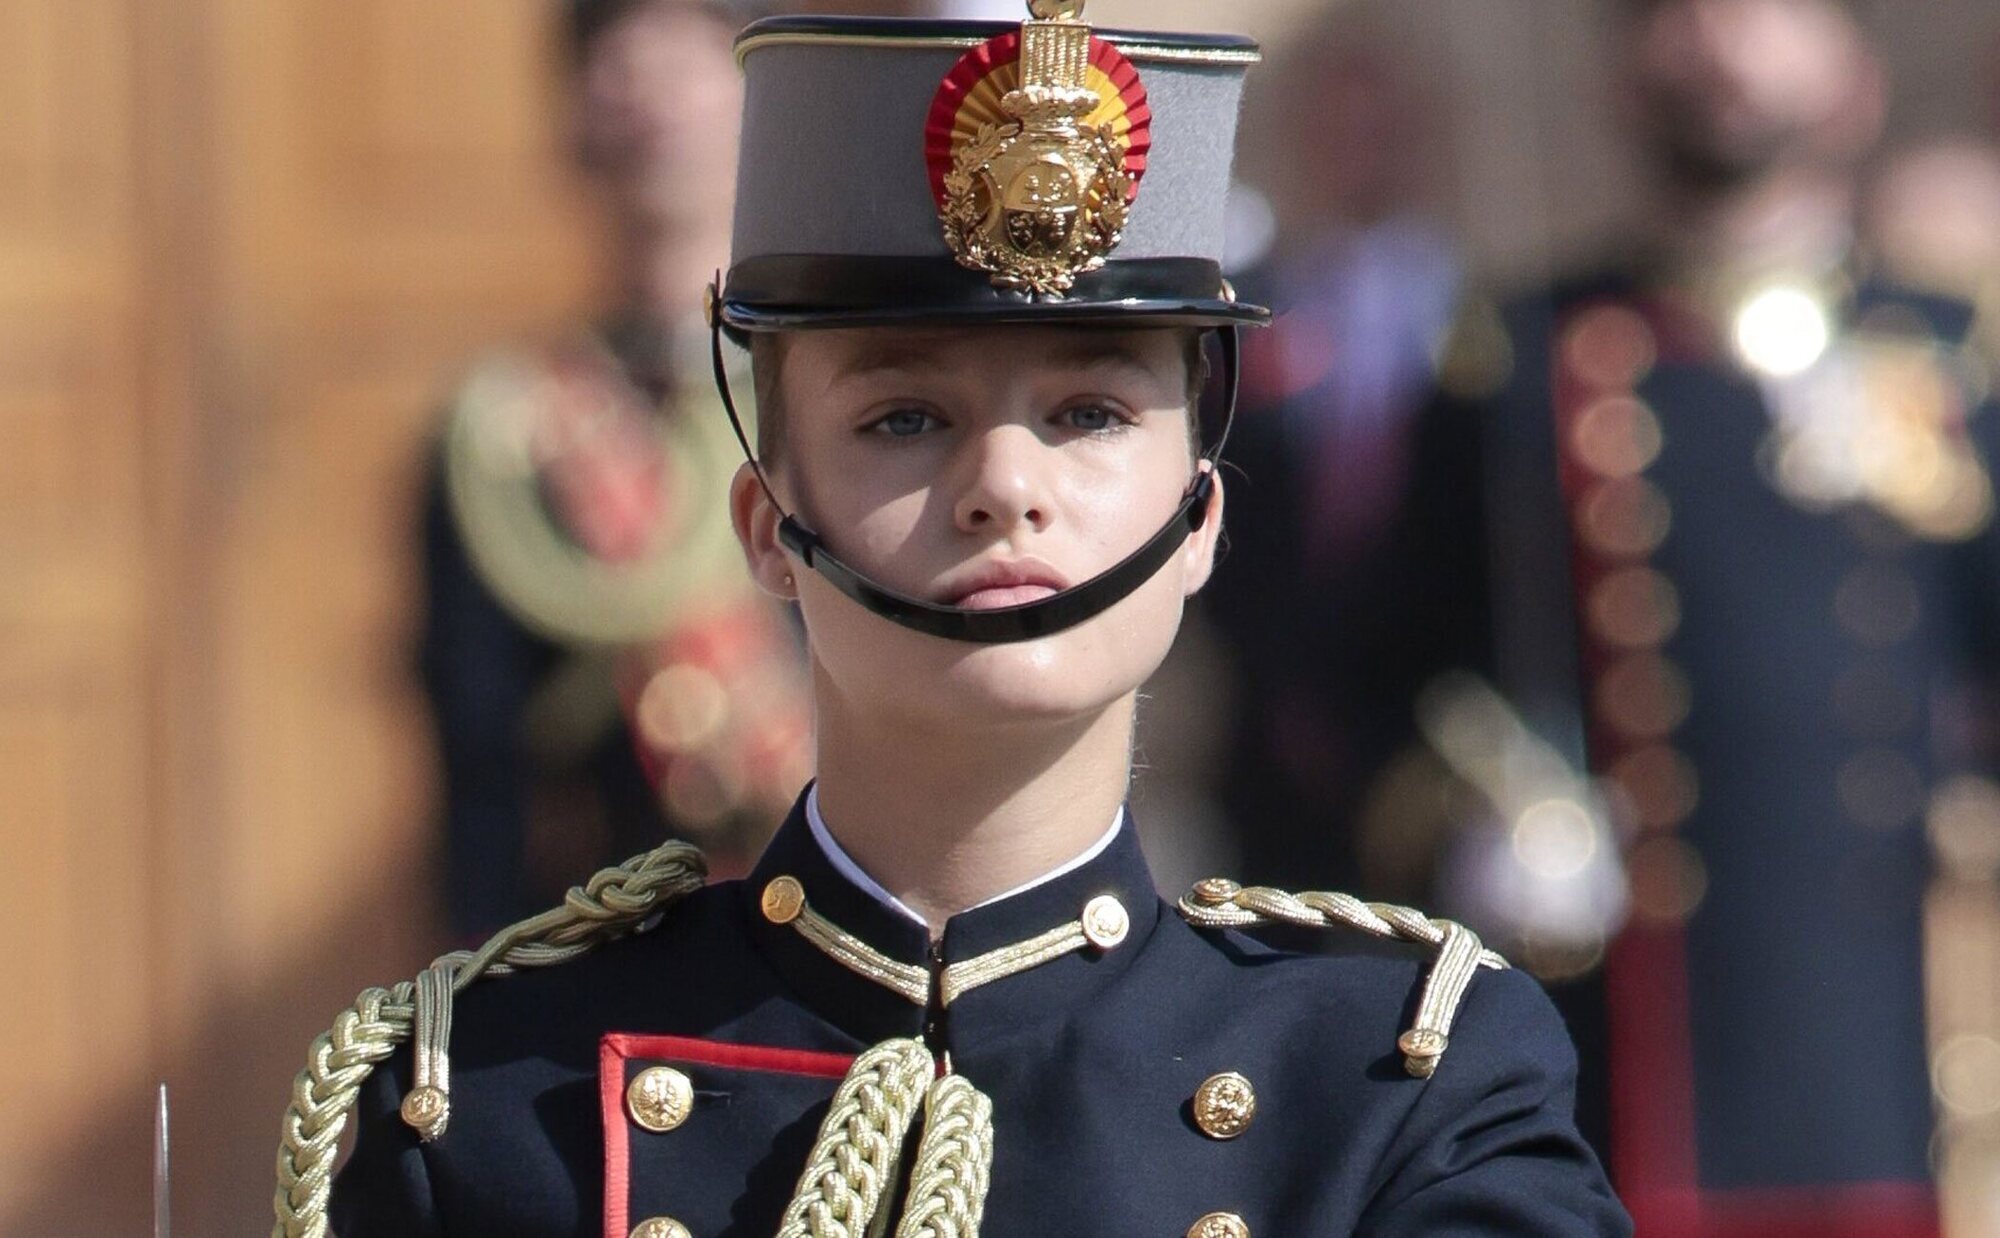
x=1034, y=681
x=950, y=684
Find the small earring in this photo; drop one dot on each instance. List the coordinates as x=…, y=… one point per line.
x=788, y=580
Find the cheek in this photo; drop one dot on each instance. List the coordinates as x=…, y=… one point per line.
x=1118, y=506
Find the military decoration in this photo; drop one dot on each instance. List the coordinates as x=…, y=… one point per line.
x=1037, y=141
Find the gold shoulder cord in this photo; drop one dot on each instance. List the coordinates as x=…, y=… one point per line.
x=614, y=903
x=1217, y=903
x=853, y=1167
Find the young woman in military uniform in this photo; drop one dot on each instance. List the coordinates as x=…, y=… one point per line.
x=976, y=265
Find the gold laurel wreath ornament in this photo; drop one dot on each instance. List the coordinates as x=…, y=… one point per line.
x=1042, y=197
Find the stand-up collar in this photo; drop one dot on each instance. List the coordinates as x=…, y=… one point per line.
x=871, y=1010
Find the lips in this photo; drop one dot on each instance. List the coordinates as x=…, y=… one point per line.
x=997, y=585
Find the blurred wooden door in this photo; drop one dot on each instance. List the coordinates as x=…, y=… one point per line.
x=243, y=243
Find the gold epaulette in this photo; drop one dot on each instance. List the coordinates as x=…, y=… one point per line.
x=616, y=902
x=1220, y=903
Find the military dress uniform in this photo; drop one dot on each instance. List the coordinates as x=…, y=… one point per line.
x=791, y=1053
x=1152, y=1076
x=1743, y=570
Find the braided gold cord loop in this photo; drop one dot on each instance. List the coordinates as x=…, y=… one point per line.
x=853, y=1163
x=1224, y=904
x=954, y=1163
x=323, y=1094
x=614, y=902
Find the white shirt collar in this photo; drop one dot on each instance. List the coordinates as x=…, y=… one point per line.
x=847, y=868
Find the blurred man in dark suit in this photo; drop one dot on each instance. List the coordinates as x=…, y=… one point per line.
x=1715, y=518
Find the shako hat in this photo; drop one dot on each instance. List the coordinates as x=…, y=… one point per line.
x=899, y=171
x=941, y=173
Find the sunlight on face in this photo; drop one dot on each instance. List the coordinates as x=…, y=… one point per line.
x=985, y=468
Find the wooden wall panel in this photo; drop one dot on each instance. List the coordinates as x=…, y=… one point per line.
x=73, y=733
x=242, y=247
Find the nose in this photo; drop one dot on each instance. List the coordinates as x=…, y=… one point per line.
x=1006, y=489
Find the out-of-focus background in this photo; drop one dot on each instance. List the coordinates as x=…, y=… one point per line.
x=247, y=248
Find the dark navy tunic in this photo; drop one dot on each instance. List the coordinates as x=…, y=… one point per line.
x=1091, y=1061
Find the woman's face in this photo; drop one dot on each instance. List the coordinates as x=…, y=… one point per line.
x=982, y=468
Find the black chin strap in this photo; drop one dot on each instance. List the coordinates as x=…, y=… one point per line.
x=1030, y=620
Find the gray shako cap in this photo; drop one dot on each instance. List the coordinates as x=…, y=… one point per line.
x=837, y=225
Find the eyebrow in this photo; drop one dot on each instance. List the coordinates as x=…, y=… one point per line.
x=1084, y=352
x=899, y=353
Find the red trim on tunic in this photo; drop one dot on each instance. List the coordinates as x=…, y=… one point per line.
x=617, y=1048
x=1645, y=969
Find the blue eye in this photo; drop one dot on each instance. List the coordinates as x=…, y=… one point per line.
x=904, y=423
x=1092, y=418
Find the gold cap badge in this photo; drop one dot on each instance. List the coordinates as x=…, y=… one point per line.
x=1037, y=141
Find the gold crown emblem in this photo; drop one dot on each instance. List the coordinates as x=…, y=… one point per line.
x=1039, y=193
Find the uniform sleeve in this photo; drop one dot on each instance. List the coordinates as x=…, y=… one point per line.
x=384, y=1189
x=1492, y=1147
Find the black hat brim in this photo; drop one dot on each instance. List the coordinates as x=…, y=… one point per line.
x=803, y=291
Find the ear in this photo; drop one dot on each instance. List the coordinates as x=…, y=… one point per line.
x=756, y=519
x=1198, y=552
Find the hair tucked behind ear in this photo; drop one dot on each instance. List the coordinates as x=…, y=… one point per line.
x=767, y=361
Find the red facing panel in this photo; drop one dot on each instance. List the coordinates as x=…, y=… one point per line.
x=617, y=1048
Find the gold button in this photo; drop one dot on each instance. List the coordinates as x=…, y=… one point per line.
x=1105, y=922
x=1643, y=696
x=1219, y=1225
x=423, y=1107
x=1668, y=880
x=1215, y=891
x=1624, y=518
x=1610, y=346
x=1661, y=786
x=661, y=1227
x=660, y=1098
x=1617, y=437
x=1224, y=1105
x=1424, y=1046
x=1635, y=607
x=784, y=899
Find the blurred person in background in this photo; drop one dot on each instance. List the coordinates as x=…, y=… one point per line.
x=1933, y=221
x=1366, y=284
x=1697, y=592
x=601, y=670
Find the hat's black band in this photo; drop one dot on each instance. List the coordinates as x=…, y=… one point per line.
x=777, y=291
x=1056, y=613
